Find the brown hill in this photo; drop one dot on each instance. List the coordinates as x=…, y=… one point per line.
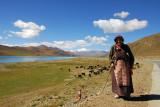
x=32, y=51
x=147, y=46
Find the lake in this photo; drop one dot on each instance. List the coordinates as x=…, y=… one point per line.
x=7, y=59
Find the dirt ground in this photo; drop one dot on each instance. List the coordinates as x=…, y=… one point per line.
x=154, y=58
x=66, y=95
x=142, y=82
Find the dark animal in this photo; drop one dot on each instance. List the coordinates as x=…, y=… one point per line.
x=84, y=74
x=81, y=66
x=76, y=67
x=90, y=71
x=98, y=72
x=90, y=67
x=104, y=68
x=89, y=75
x=80, y=76
x=95, y=73
x=69, y=70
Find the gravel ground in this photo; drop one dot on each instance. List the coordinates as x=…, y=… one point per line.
x=142, y=82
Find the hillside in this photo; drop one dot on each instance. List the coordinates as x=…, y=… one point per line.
x=32, y=51
x=147, y=46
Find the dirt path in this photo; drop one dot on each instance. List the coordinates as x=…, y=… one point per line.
x=142, y=82
x=155, y=90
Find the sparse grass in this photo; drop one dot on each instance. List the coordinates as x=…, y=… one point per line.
x=27, y=77
x=20, y=79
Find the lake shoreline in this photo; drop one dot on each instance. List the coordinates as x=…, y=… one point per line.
x=14, y=59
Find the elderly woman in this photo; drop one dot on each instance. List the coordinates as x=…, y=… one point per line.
x=121, y=60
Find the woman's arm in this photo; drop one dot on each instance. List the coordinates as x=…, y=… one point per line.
x=130, y=56
x=111, y=53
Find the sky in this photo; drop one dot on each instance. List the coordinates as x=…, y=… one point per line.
x=77, y=25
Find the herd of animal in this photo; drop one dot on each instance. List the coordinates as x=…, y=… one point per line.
x=90, y=70
x=93, y=70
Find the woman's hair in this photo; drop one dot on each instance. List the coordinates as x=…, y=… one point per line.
x=118, y=36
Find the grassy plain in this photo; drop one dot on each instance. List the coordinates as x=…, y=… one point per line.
x=44, y=83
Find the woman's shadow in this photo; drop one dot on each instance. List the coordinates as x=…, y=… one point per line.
x=144, y=98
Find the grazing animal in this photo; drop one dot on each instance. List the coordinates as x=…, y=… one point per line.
x=74, y=75
x=69, y=70
x=98, y=72
x=61, y=68
x=76, y=67
x=84, y=74
x=101, y=71
x=95, y=73
x=80, y=76
x=90, y=71
x=90, y=67
x=137, y=64
x=81, y=66
x=104, y=68
x=89, y=75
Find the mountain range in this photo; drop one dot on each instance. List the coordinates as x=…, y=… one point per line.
x=41, y=50
x=90, y=53
x=147, y=46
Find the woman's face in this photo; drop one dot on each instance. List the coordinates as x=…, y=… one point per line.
x=119, y=41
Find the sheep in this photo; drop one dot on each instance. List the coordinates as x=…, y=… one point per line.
x=89, y=75
x=80, y=76
x=69, y=70
x=84, y=74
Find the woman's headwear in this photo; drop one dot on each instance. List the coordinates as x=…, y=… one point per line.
x=118, y=36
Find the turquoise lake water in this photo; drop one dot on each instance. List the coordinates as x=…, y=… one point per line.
x=7, y=59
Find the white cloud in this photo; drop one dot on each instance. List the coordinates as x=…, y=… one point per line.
x=10, y=35
x=9, y=45
x=61, y=44
x=1, y=37
x=119, y=26
x=31, y=44
x=47, y=44
x=29, y=30
x=70, y=44
x=97, y=40
x=122, y=14
x=80, y=50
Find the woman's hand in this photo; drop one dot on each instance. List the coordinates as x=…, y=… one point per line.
x=112, y=65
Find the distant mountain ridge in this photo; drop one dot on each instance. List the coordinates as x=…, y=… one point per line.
x=91, y=53
x=41, y=50
x=147, y=46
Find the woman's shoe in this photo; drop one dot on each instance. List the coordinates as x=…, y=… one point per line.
x=116, y=96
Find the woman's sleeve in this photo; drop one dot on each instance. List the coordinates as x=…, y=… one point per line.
x=111, y=55
x=131, y=56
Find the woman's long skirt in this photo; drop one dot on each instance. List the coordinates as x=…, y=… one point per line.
x=121, y=90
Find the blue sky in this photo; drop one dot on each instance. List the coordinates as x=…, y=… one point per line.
x=76, y=24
